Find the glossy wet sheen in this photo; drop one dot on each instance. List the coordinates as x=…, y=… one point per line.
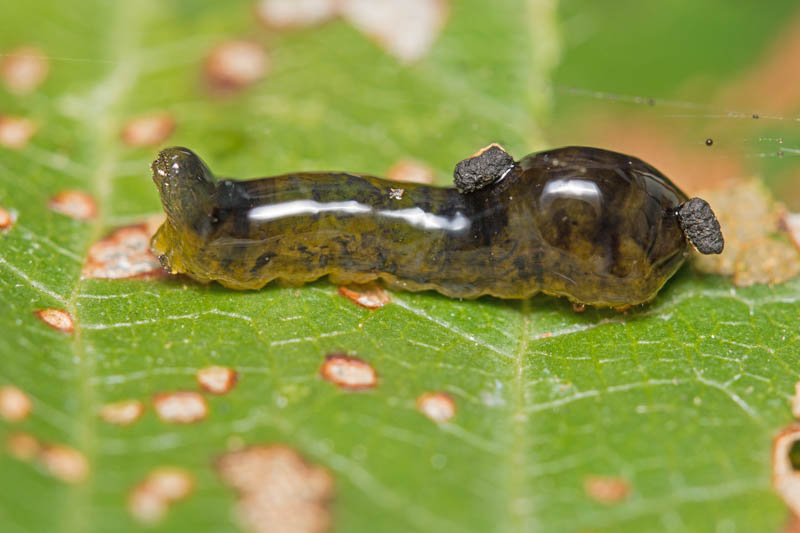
x=595, y=226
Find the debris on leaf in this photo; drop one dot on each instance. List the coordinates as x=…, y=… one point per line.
x=74, y=204
x=757, y=245
x=15, y=132
x=234, y=65
x=56, y=319
x=369, y=295
x=347, y=372
x=278, y=491
x=14, y=404
x=437, y=406
x=125, y=253
x=605, y=489
x=150, y=500
x=151, y=129
x=217, y=379
x=182, y=407
x=23, y=69
x=122, y=413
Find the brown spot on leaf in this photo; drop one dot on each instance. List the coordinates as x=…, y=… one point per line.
x=7, y=218
x=182, y=407
x=151, y=129
x=217, y=379
x=64, y=463
x=125, y=253
x=278, y=491
x=56, y=319
x=785, y=468
x=606, y=489
x=15, y=132
x=23, y=446
x=122, y=413
x=406, y=29
x=437, y=406
x=23, y=69
x=288, y=14
x=74, y=204
x=409, y=170
x=751, y=224
x=235, y=65
x=14, y=404
x=369, y=295
x=150, y=500
x=349, y=373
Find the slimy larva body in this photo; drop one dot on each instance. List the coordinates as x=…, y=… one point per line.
x=598, y=227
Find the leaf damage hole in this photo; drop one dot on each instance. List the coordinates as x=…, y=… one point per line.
x=292, y=14
x=438, y=406
x=150, y=129
x=786, y=466
x=15, y=405
x=368, y=295
x=58, y=460
x=125, y=253
x=7, y=218
x=122, y=413
x=217, y=379
x=23, y=69
x=56, y=319
x=235, y=65
x=411, y=171
x=606, y=489
x=350, y=373
x=279, y=492
x=15, y=132
x=149, y=501
x=74, y=204
x=757, y=244
x=181, y=407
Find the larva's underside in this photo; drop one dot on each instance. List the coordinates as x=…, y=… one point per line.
x=598, y=227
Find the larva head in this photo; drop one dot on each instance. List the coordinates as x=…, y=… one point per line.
x=186, y=186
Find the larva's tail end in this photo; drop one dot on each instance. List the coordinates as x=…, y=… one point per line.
x=700, y=226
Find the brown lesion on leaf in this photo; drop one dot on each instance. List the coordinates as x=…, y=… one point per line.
x=15, y=405
x=23, y=69
x=58, y=460
x=217, y=379
x=150, y=129
x=149, y=501
x=235, y=65
x=279, y=492
x=7, y=218
x=15, y=132
x=369, y=295
x=295, y=14
x=180, y=407
x=606, y=489
x=74, y=204
x=122, y=413
x=124, y=253
x=56, y=319
x=438, y=406
x=411, y=171
x=347, y=372
x=758, y=248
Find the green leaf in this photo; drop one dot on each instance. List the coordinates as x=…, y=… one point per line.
x=680, y=399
